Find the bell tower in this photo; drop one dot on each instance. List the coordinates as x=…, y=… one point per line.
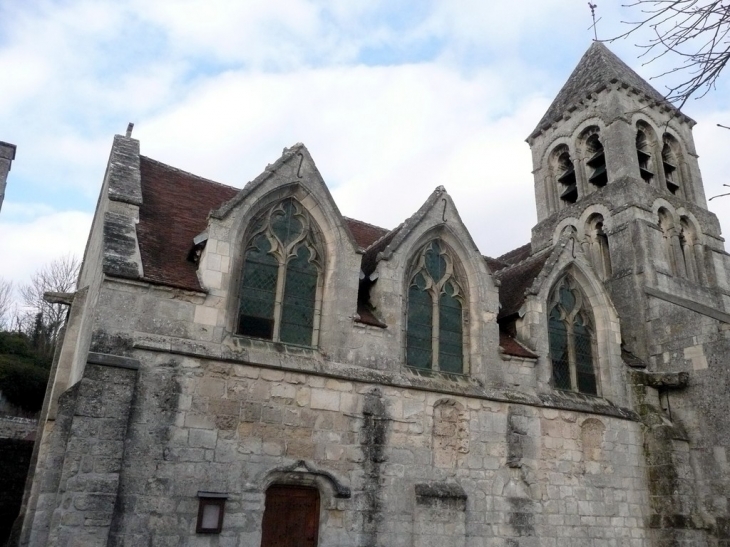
x=616, y=171
x=615, y=163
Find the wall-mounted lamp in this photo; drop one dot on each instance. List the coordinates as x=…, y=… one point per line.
x=210, y=512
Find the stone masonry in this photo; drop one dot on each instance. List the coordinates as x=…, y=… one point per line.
x=7, y=155
x=158, y=402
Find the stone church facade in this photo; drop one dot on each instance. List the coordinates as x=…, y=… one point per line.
x=251, y=368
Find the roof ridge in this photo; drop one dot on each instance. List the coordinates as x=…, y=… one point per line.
x=534, y=255
x=500, y=258
x=178, y=170
x=385, y=235
x=386, y=230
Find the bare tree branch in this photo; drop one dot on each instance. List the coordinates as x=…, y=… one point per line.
x=60, y=275
x=695, y=32
x=6, y=302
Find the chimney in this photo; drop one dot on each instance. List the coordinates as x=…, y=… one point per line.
x=7, y=155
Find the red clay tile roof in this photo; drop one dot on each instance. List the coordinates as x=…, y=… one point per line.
x=510, y=346
x=365, y=234
x=175, y=207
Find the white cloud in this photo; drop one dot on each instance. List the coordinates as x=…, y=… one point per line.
x=27, y=245
x=219, y=87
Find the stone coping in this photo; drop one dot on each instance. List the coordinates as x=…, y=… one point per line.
x=406, y=379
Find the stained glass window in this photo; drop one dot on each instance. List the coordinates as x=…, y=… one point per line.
x=281, y=276
x=434, y=326
x=571, y=339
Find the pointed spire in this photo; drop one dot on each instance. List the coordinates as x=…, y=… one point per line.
x=597, y=69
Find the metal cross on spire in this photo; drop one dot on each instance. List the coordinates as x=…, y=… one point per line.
x=593, y=14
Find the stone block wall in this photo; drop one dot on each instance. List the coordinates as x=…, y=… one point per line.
x=78, y=472
x=419, y=465
x=14, y=427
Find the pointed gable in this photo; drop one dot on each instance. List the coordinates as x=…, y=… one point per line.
x=597, y=69
x=174, y=209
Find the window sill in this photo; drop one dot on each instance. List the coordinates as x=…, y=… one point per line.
x=437, y=374
x=242, y=342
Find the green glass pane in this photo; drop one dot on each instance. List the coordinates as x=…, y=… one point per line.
x=567, y=298
x=420, y=281
x=558, y=339
x=419, y=343
x=435, y=263
x=300, y=292
x=284, y=223
x=585, y=374
x=451, y=352
x=258, y=291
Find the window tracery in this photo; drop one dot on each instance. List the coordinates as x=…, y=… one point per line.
x=435, y=320
x=571, y=338
x=281, y=277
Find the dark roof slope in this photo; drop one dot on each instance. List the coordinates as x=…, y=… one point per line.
x=175, y=207
x=510, y=346
x=596, y=70
x=515, y=280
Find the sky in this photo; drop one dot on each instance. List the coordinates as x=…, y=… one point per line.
x=391, y=97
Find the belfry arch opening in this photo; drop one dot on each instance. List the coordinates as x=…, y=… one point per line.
x=670, y=163
x=645, y=145
x=596, y=158
x=564, y=174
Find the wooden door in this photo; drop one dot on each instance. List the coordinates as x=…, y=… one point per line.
x=291, y=517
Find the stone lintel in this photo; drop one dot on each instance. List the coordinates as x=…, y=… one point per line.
x=65, y=298
x=116, y=361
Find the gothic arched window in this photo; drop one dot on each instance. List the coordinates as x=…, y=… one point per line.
x=571, y=337
x=282, y=276
x=435, y=322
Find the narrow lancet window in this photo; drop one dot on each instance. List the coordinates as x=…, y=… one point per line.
x=435, y=320
x=571, y=338
x=281, y=276
x=597, y=247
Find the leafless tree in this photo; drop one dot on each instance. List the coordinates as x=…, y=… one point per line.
x=695, y=32
x=59, y=275
x=6, y=302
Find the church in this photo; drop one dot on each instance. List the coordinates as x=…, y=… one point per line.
x=247, y=367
